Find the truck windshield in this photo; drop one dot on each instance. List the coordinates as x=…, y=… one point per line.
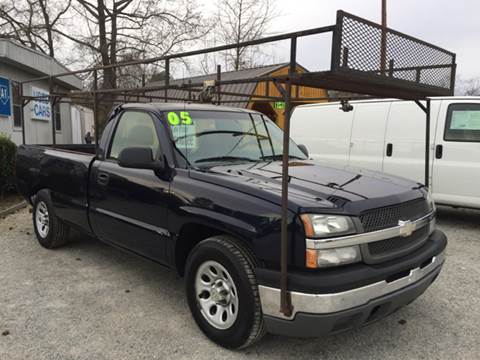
x=206, y=137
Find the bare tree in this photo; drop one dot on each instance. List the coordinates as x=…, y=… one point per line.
x=83, y=33
x=243, y=20
x=31, y=22
x=122, y=30
x=468, y=87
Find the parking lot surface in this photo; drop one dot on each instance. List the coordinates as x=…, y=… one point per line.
x=91, y=301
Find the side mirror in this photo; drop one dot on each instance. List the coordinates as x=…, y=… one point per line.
x=139, y=158
x=304, y=149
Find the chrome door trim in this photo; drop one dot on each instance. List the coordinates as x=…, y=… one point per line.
x=159, y=230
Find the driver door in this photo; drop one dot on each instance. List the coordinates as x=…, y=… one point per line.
x=129, y=206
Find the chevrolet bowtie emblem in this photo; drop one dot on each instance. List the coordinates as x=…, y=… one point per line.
x=406, y=227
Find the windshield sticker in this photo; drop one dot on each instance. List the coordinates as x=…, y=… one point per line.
x=181, y=118
x=185, y=137
x=465, y=120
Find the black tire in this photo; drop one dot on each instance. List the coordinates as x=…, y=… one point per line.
x=240, y=262
x=56, y=234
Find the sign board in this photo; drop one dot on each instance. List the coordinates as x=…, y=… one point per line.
x=41, y=107
x=279, y=105
x=5, y=97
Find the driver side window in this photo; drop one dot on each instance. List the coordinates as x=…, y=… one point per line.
x=134, y=129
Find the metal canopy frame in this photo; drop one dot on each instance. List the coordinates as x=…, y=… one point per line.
x=416, y=70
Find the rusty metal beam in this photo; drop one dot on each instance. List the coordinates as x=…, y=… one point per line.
x=285, y=300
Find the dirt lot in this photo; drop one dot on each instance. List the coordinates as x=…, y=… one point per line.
x=91, y=301
x=10, y=199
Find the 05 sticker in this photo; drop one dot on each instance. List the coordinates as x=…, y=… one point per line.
x=181, y=118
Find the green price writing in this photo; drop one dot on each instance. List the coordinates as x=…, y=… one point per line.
x=182, y=118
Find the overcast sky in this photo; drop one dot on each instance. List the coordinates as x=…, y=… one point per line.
x=451, y=24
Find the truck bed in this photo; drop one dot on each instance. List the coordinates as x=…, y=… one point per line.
x=64, y=170
x=80, y=148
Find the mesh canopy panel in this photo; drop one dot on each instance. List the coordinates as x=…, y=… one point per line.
x=358, y=48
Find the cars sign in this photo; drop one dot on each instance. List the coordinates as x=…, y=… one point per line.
x=40, y=108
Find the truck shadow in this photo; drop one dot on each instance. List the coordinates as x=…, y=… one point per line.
x=454, y=216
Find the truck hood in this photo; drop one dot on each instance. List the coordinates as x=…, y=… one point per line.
x=314, y=187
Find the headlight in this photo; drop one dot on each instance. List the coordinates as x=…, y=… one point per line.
x=332, y=257
x=318, y=226
x=324, y=226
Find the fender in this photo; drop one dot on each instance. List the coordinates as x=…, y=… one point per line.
x=221, y=221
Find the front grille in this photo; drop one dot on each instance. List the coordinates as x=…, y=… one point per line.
x=398, y=244
x=386, y=217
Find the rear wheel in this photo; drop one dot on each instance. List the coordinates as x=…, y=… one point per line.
x=51, y=232
x=222, y=292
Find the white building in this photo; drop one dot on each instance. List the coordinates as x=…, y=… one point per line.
x=18, y=63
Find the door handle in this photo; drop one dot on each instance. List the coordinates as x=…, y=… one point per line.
x=439, y=151
x=103, y=179
x=389, y=149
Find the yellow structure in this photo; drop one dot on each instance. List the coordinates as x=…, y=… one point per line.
x=276, y=112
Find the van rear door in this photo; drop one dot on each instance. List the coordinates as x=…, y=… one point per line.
x=368, y=135
x=405, y=140
x=324, y=130
x=456, y=168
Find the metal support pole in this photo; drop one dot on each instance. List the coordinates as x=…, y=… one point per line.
x=383, y=48
x=453, y=74
x=143, y=84
x=345, y=57
x=189, y=90
x=285, y=299
x=52, y=111
x=219, y=89
x=391, y=66
x=167, y=77
x=427, y=146
x=95, y=109
x=22, y=117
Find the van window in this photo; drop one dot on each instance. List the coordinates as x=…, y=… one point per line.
x=463, y=123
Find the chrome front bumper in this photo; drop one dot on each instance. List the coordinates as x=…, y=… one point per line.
x=335, y=302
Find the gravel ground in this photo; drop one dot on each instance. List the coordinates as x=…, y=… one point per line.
x=91, y=301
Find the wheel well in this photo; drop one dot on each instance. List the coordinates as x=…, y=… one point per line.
x=34, y=192
x=190, y=235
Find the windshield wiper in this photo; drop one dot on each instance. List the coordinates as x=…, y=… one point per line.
x=225, y=158
x=280, y=156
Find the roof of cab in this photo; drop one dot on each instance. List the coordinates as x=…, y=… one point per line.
x=186, y=107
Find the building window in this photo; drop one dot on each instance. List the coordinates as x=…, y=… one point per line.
x=17, y=105
x=58, y=119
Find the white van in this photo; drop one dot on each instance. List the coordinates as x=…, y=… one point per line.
x=389, y=136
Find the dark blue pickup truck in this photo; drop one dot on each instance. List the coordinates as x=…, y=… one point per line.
x=197, y=188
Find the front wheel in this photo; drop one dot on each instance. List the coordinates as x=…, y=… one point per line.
x=222, y=292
